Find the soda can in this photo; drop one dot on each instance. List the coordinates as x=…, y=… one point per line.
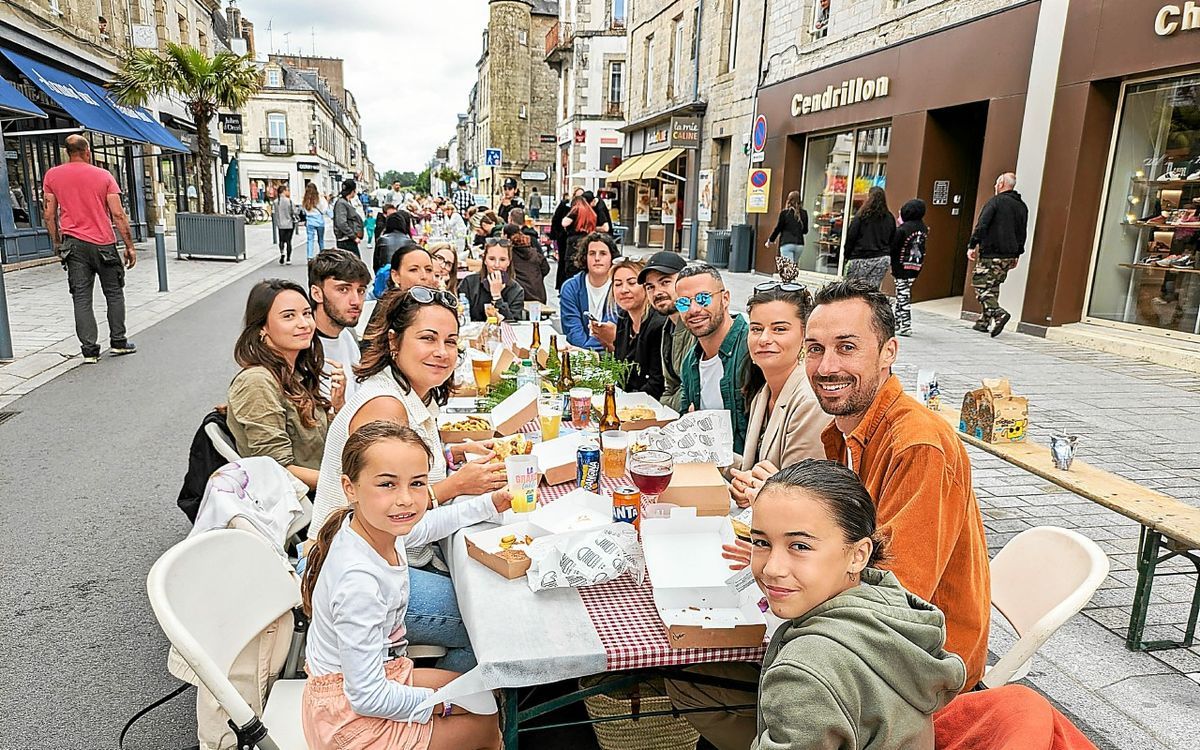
x=587, y=467
x=627, y=506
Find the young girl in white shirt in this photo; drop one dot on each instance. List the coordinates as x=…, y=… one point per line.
x=355, y=589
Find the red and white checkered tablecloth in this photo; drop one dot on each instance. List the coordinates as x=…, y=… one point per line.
x=627, y=621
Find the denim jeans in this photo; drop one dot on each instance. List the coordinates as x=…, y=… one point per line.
x=792, y=251
x=83, y=262
x=316, y=239
x=433, y=619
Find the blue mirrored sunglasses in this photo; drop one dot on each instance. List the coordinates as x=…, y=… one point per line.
x=683, y=304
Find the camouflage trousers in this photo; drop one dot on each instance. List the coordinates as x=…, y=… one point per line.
x=989, y=274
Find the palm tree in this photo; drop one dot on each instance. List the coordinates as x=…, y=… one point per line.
x=205, y=84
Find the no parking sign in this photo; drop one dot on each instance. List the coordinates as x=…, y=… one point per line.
x=758, y=187
x=758, y=140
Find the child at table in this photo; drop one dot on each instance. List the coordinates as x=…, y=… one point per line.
x=858, y=662
x=356, y=590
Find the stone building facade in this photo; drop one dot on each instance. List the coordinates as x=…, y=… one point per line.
x=587, y=49
x=516, y=97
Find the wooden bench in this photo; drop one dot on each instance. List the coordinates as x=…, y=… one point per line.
x=1170, y=528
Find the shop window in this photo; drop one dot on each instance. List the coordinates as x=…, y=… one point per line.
x=820, y=23
x=839, y=170
x=1146, y=263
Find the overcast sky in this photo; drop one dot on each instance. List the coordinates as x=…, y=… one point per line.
x=422, y=53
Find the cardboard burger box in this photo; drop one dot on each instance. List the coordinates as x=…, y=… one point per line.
x=514, y=412
x=698, y=486
x=696, y=605
x=486, y=430
x=556, y=458
x=575, y=511
x=663, y=415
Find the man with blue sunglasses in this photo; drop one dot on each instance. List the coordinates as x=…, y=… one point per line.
x=711, y=377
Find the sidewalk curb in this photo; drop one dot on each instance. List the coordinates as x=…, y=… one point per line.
x=187, y=297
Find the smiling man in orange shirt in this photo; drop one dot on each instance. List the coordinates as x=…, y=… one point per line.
x=911, y=462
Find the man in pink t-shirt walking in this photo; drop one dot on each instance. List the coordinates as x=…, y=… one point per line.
x=80, y=198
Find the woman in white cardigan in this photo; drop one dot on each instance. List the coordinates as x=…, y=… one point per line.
x=785, y=418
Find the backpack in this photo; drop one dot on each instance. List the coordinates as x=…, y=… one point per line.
x=912, y=254
x=203, y=461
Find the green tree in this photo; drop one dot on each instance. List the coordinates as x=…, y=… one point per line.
x=448, y=175
x=205, y=84
x=422, y=185
x=406, y=179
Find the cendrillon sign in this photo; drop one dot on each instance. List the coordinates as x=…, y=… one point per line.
x=849, y=92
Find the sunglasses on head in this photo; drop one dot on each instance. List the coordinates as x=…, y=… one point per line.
x=783, y=286
x=683, y=304
x=425, y=296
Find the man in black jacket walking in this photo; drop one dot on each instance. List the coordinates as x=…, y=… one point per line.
x=996, y=245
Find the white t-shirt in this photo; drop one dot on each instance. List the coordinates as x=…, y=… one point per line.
x=596, y=297
x=711, y=372
x=359, y=604
x=343, y=349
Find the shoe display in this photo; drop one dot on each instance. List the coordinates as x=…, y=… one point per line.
x=1183, y=261
x=1166, y=261
x=1001, y=321
x=128, y=348
x=1170, y=175
x=1194, y=175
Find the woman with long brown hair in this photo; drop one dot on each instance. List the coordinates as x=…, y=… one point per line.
x=790, y=228
x=579, y=222
x=275, y=404
x=869, y=240
x=639, y=328
x=316, y=210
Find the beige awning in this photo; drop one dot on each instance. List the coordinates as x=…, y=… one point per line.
x=657, y=162
x=629, y=169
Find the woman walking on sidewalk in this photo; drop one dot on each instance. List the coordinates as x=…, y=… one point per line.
x=869, y=240
x=316, y=210
x=790, y=228
x=284, y=216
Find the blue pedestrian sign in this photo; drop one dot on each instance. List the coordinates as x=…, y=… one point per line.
x=491, y=157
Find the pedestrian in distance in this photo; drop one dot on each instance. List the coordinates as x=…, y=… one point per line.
x=509, y=200
x=908, y=255
x=579, y=222
x=790, y=228
x=284, y=215
x=82, y=203
x=529, y=266
x=347, y=222
x=603, y=218
x=462, y=198
x=996, y=246
x=535, y=204
x=316, y=211
x=869, y=240
x=369, y=225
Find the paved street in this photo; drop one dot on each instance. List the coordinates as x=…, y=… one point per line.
x=99, y=453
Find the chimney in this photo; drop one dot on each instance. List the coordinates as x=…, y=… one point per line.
x=234, y=16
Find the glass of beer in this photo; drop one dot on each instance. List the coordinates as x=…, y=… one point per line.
x=613, y=447
x=481, y=367
x=581, y=407
x=550, y=415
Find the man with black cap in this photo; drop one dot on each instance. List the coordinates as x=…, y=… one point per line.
x=510, y=200
x=462, y=198
x=658, y=277
x=347, y=222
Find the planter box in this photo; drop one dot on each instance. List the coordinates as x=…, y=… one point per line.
x=210, y=236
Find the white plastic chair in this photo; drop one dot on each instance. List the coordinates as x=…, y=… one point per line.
x=220, y=442
x=1041, y=579
x=212, y=594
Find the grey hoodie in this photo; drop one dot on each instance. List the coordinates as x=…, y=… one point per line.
x=866, y=669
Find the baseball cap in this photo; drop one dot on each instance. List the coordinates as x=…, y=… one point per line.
x=665, y=262
x=510, y=183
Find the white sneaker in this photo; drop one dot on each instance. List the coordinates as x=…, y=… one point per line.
x=1194, y=175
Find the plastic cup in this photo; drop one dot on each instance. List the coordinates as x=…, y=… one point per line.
x=522, y=482
x=613, y=447
x=550, y=415
x=535, y=311
x=581, y=407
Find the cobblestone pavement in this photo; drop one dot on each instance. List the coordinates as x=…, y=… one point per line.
x=43, y=324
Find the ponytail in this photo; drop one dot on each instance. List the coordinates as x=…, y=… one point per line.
x=318, y=553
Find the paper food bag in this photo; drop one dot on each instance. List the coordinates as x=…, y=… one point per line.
x=927, y=387
x=585, y=558
x=993, y=414
x=699, y=437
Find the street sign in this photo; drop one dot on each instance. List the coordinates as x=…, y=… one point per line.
x=758, y=140
x=492, y=157
x=758, y=187
x=230, y=123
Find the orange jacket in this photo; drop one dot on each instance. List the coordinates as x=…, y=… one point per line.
x=918, y=472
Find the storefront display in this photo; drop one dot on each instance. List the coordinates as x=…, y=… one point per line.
x=1147, y=270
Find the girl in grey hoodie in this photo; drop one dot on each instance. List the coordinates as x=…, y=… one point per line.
x=858, y=662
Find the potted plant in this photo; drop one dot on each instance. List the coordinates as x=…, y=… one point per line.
x=204, y=85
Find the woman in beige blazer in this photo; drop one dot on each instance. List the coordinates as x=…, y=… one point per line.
x=785, y=418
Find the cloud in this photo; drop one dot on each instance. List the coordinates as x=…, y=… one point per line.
x=410, y=65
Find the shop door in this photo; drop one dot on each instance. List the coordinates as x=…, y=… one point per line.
x=949, y=182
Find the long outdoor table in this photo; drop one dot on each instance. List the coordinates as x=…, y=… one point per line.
x=522, y=639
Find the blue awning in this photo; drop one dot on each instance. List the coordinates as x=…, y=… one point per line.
x=15, y=104
x=91, y=106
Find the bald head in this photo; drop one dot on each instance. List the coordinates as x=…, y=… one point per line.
x=1005, y=182
x=78, y=148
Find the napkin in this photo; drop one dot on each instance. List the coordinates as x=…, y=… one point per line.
x=698, y=437
x=585, y=558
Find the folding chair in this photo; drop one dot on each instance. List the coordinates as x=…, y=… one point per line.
x=1041, y=579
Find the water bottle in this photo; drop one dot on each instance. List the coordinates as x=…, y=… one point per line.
x=464, y=310
x=526, y=374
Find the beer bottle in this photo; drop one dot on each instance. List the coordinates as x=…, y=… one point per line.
x=565, y=384
x=609, y=420
x=536, y=345
x=552, y=354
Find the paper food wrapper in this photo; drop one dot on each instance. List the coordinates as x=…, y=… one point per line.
x=927, y=387
x=700, y=437
x=585, y=558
